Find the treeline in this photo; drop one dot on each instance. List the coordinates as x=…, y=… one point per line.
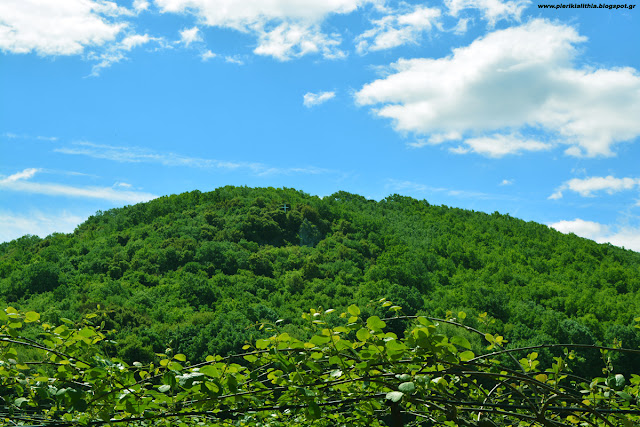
x=194, y=271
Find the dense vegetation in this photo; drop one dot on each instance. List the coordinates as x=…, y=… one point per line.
x=356, y=374
x=195, y=271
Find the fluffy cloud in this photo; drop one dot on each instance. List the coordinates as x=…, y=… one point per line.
x=289, y=40
x=207, y=55
x=500, y=145
x=627, y=237
x=190, y=35
x=20, y=182
x=492, y=10
x=507, y=82
x=398, y=29
x=312, y=99
x=284, y=28
x=99, y=30
x=58, y=27
x=242, y=14
x=587, y=186
x=13, y=225
x=140, y=5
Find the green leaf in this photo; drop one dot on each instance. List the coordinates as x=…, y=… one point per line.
x=174, y=366
x=395, y=346
x=353, y=310
x=625, y=396
x=87, y=332
x=394, y=396
x=19, y=401
x=262, y=344
x=465, y=356
x=619, y=381
x=314, y=411
x=319, y=339
x=424, y=321
x=363, y=334
x=232, y=383
x=460, y=341
x=31, y=316
x=250, y=358
x=408, y=387
x=164, y=388
x=284, y=337
x=375, y=323
x=180, y=357
x=210, y=371
x=541, y=377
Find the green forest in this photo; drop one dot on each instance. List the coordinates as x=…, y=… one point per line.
x=200, y=274
x=193, y=271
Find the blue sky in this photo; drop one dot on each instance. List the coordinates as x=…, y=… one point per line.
x=488, y=105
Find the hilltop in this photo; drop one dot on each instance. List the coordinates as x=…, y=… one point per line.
x=194, y=271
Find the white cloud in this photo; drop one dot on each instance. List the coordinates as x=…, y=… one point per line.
x=99, y=30
x=461, y=26
x=135, y=40
x=190, y=35
x=242, y=14
x=623, y=236
x=312, y=99
x=207, y=55
x=12, y=135
x=47, y=138
x=398, y=29
x=587, y=186
x=142, y=155
x=493, y=10
x=140, y=5
x=117, y=52
x=509, y=81
x=507, y=182
x=20, y=182
x=233, y=60
x=589, y=229
x=25, y=174
x=284, y=28
x=500, y=145
x=58, y=27
x=288, y=41
x=13, y=225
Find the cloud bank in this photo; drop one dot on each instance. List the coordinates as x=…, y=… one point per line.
x=627, y=237
x=505, y=85
x=588, y=186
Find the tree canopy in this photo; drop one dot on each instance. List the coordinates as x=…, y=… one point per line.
x=194, y=271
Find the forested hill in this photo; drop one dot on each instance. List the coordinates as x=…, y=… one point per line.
x=195, y=271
